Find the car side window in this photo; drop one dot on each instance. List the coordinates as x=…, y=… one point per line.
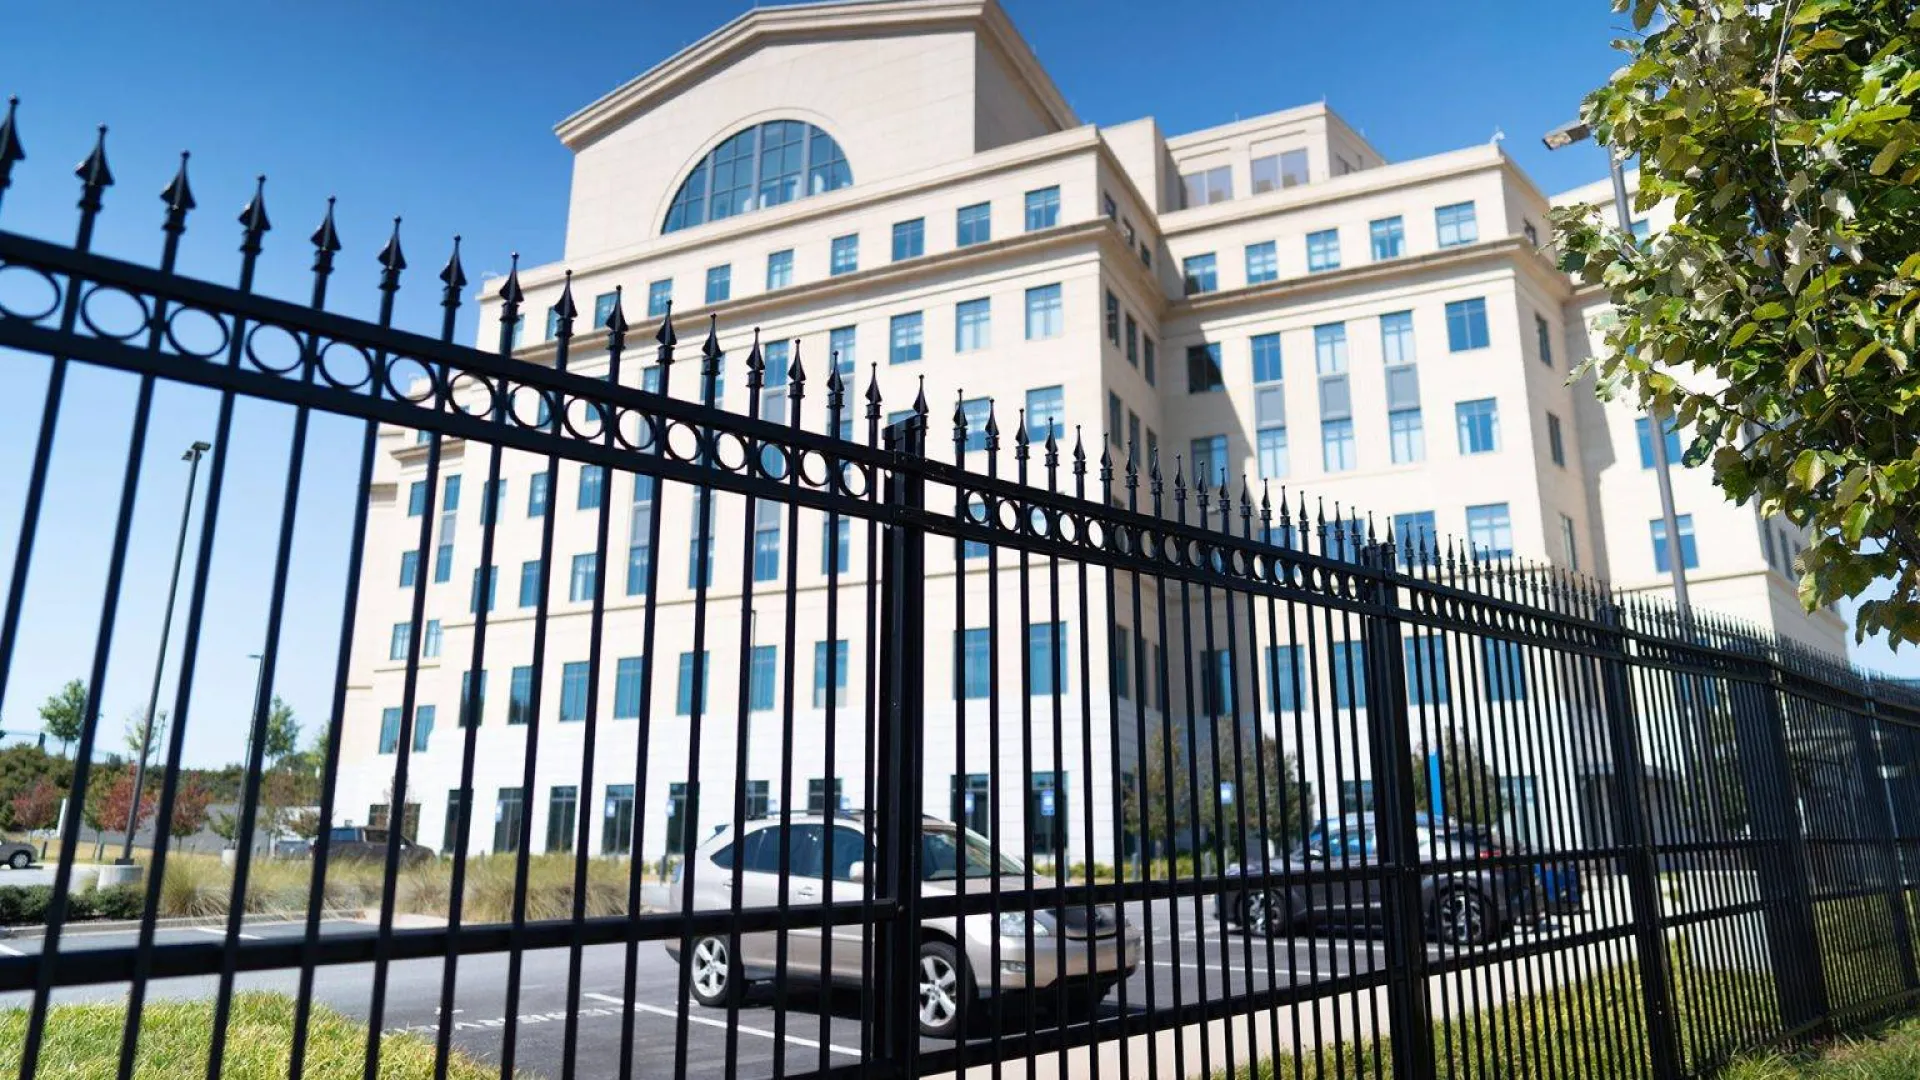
x=345, y=833
x=849, y=847
x=761, y=851
x=809, y=842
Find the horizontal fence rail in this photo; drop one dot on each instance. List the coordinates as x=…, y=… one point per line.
x=666, y=716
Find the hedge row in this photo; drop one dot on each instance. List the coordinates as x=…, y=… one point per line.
x=27, y=904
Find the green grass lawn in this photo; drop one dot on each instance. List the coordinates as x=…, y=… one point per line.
x=83, y=1043
x=1892, y=1053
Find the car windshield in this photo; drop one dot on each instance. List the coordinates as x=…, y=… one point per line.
x=940, y=856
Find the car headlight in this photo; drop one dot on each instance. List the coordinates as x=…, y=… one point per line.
x=1014, y=924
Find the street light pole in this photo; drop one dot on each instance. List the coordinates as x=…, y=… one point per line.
x=192, y=457
x=1557, y=139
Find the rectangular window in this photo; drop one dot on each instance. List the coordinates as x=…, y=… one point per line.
x=455, y=834
x=1133, y=341
x=1346, y=664
x=1283, y=170
x=389, y=731
x=1200, y=273
x=1284, y=677
x=417, y=498
x=779, y=269
x=973, y=225
x=1114, y=412
x=1263, y=262
x=616, y=838
x=1689, y=554
x=593, y=482
x=760, y=677
x=1467, y=325
x=1204, y=374
x=530, y=583
x=520, y=696
x=1543, y=334
x=1330, y=348
x=449, y=518
x=1046, y=413
x=1506, y=669
x=1043, y=208
x=683, y=702
x=700, y=545
x=818, y=799
x=1133, y=431
x=1490, y=530
x=1389, y=238
x=972, y=653
x=473, y=697
x=1556, y=442
x=486, y=585
x=836, y=545
x=972, y=325
x=1207, y=457
x=1113, y=317
x=1479, y=423
x=1406, y=434
x=509, y=813
x=844, y=257
x=1569, y=543
x=627, y=676
x=538, y=486
x=1208, y=186
x=573, y=692
x=976, y=410
x=1336, y=445
x=1216, y=682
x=586, y=574
x=1455, y=225
x=766, y=541
x=1046, y=657
x=659, y=296
x=1643, y=430
x=840, y=342
x=409, y=568
x=430, y=641
x=400, y=644
x=1414, y=534
x=829, y=668
x=1396, y=337
x=1044, y=317
x=719, y=283
x=490, y=498
x=683, y=818
x=563, y=804
x=909, y=239
x=1112, y=211
x=1266, y=358
x=1273, y=452
x=1147, y=359
x=1323, y=250
x=1426, y=660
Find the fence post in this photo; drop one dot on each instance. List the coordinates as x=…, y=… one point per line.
x=1766, y=776
x=1866, y=726
x=899, y=747
x=1636, y=838
x=1390, y=738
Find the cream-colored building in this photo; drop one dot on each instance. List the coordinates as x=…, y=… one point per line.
x=900, y=185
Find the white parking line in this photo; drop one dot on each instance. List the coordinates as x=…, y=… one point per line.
x=8, y=950
x=220, y=932
x=710, y=1022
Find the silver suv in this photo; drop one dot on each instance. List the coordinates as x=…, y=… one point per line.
x=956, y=961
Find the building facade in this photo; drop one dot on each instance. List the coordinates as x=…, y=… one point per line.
x=899, y=189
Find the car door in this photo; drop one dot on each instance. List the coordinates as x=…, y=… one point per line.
x=807, y=868
x=847, y=957
x=758, y=854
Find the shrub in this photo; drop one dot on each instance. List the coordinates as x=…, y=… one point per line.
x=24, y=903
x=119, y=901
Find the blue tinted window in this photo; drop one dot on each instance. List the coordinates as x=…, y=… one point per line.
x=905, y=335
x=659, y=295
x=1467, y=325
x=1388, y=237
x=1266, y=358
x=1323, y=250
x=1490, y=530
x=627, y=672
x=761, y=166
x=1455, y=224
x=1689, y=554
x=1200, y=273
x=845, y=258
x=1263, y=263
x=1479, y=423
x=573, y=692
x=909, y=239
x=779, y=269
x=973, y=225
x=1043, y=208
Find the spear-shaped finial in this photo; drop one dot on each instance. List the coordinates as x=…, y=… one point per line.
x=616, y=323
x=178, y=195
x=666, y=337
x=920, y=401
x=392, y=261
x=10, y=150
x=796, y=375
x=564, y=309
x=326, y=239
x=453, y=278
x=874, y=400
x=993, y=429
x=1022, y=441
x=959, y=422
x=1079, y=453
x=94, y=175
x=710, y=359
x=253, y=217
x=836, y=388
x=756, y=364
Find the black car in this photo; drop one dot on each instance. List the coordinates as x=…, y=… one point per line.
x=1464, y=905
x=350, y=842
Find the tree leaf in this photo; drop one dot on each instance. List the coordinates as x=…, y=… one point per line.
x=1772, y=309
x=1743, y=335
x=1888, y=154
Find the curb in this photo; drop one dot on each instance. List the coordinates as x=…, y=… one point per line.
x=118, y=926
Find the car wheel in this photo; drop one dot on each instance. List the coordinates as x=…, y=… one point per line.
x=944, y=985
x=21, y=860
x=1262, y=911
x=1463, y=917
x=714, y=973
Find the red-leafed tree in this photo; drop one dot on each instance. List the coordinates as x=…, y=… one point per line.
x=38, y=807
x=190, y=808
x=109, y=797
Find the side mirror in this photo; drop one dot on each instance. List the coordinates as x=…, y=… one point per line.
x=1313, y=855
x=857, y=872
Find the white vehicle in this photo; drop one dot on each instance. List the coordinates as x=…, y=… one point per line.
x=956, y=963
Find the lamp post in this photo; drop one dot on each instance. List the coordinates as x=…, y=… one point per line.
x=192, y=457
x=1560, y=138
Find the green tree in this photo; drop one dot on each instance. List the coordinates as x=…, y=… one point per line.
x=1777, y=318
x=1164, y=762
x=22, y=767
x=64, y=714
x=135, y=737
x=283, y=731
x=1469, y=784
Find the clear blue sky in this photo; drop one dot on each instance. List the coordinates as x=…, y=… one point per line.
x=443, y=113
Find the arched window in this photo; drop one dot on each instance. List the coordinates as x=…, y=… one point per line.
x=764, y=165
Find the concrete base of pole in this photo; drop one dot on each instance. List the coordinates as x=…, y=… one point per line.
x=118, y=874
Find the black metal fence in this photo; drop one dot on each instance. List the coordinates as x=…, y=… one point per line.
x=1104, y=764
